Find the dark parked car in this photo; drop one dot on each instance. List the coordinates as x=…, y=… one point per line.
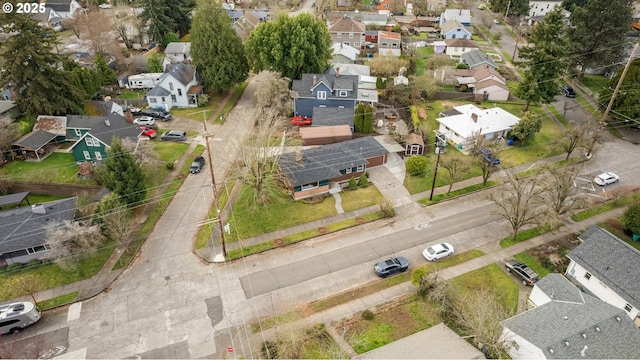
x=174, y=135
x=391, y=266
x=157, y=114
x=522, y=271
x=568, y=91
x=197, y=165
x=489, y=157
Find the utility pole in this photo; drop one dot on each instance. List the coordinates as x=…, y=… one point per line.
x=214, y=187
x=507, y=12
x=613, y=97
x=440, y=149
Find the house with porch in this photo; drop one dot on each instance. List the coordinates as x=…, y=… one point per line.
x=177, y=87
x=324, y=90
x=484, y=81
x=453, y=29
x=93, y=135
x=348, y=31
x=466, y=124
x=313, y=171
x=604, y=266
x=457, y=47
x=22, y=230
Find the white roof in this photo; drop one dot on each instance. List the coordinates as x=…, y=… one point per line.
x=345, y=50
x=353, y=69
x=488, y=120
x=178, y=48
x=462, y=15
x=368, y=95
x=439, y=43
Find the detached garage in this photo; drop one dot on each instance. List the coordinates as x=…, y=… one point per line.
x=323, y=135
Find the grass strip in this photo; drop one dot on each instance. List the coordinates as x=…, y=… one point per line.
x=528, y=234
x=456, y=193
x=610, y=205
x=57, y=301
x=555, y=113
x=205, y=231
x=233, y=100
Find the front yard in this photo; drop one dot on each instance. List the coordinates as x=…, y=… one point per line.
x=57, y=168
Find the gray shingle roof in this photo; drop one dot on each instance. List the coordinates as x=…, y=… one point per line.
x=178, y=48
x=557, y=287
x=343, y=82
x=325, y=162
x=610, y=260
x=181, y=72
x=118, y=127
x=556, y=323
x=35, y=140
x=158, y=91
x=476, y=57
x=327, y=116
x=20, y=228
x=83, y=122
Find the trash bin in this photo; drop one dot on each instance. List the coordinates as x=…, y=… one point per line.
x=459, y=146
x=510, y=142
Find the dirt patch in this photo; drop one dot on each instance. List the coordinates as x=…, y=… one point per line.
x=552, y=255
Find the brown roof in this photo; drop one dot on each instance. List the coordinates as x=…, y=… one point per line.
x=53, y=124
x=324, y=131
x=463, y=72
x=389, y=35
x=251, y=18
x=466, y=43
x=347, y=24
x=490, y=82
x=413, y=139
x=486, y=71
x=195, y=89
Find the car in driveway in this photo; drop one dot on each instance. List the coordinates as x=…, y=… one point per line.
x=391, y=266
x=144, y=120
x=488, y=157
x=438, y=251
x=197, y=165
x=174, y=135
x=606, y=179
x=522, y=272
x=157, y=114
x=300, y=120
x=568, y=91
x=148, y=132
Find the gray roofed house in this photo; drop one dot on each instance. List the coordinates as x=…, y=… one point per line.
x=93, y=143
x=102, y=108
x=476, y=58
x=583, y=327
x=178, y=51
x=325, y=116
x=64, y=8
x=181, y=88
x=606, y=267
x=556, y=287
x=158, y=91
x=33, y=145
x=310, y=171
x=324, y=90
x=22, y=234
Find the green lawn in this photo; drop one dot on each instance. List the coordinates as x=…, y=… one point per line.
x=416, y=184
x=360, y=198
x=491, y=277
x=536, y=149
x=533, y=263
x=57, y=168
x=132, y=94
x=249, y=219
x=595, y=83
x=421, y=59
x=199, y=113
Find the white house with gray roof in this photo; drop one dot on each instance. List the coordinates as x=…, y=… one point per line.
x=178, y=87
x=475, y=59
x=607, y=267
x=569, y=324
x=178, y=52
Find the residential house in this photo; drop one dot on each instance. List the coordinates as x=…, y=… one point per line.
x=40, y=142
x=457, y=47
x=324, y=90
x=371, y=36
x=22, y=230
x=363, y=72
x=94, y=135
x=344, y=54
x=322, y=135
x=472, y=123
x=434, y=6
x=56, y=125
x=244, y=21
x=475, y=59
x=413, y=144
x=604, y=266
x=178, y=52
x=484, y=81
x=463, y=16
x=389, y=43
x=49, y=18
x=8, y=110
x=348, y=31
x=311, y=172
x=538, y=9
x=453, y=29
x=64, y=8
x=177, y=87
x=7, y=92
x=386, y=7
x=329, y=116
x=569, y=324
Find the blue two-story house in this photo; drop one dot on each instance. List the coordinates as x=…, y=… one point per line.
x=324, y=90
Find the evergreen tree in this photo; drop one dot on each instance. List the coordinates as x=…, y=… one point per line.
x=122, y=174
x=155, y=13
x=367, y=122
x=180, y=12
x=543, y=62
x=216, y=49
x=87, y=80
x=628, y=98
x=30, y=64
x=154, y=63
x=169, y=38
x=290, y=45
x=528, y=126
x=515, y=7
x=599, y=33
x=358, y=120
x=105, y=74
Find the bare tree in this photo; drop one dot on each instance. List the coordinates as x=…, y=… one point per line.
x=574, y=136
x=519, y=201
x=28, y=284
x=121, y=27
x=274, y=94
x=8, y=134
x=119, y=225
x=456, y=167
x=95, y=26
x=322, y=7
x=387, y=66
x=142, y=150
x=72, y=24
x=70, y=240
x=84, y=206
x=479, y=312
x=485, y=155
x=561, y=192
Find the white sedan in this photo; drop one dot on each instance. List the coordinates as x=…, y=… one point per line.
x=435, y=252
x=606, y=179
x=104, y=6
x=145, y=120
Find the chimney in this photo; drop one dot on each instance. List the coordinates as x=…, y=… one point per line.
x=299, y=155
x=337, y=71
x=107, y=122
x=474, y=117
x=38, y=209
x=314, y=80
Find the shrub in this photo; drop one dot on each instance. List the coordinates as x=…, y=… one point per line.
x=546, y=262
x=417, y=165
x=269, y=350
x=203, y=100
x=631, y=218
x=368, y=315
x=352, y=184
x=363, y=181
x=170, y=166
x=387, y=210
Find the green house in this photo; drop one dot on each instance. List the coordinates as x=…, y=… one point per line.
x=93, y=135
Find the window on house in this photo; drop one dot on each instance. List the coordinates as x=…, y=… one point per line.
x=384, y=44
x=356, y=45
x=464, y=49
x=163, y=100
x=77, y=132
x=360, y=168
x=179, y=92
x=387, y=6
x=153, y=100
x=350, y=35
x=309, y=186
x=88, y=141
x=173, y=98
x=98, y=155
x=339, y=35
x=322, y=95
x=171, y=86
x=628, y=307
x=464, y=36
x=394, y=45
x=453, y=36
x=86, y=155
x=342, y=93
x=348, y=170
x=587, y=276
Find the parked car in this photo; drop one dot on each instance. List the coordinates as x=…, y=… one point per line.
x=435, y=252
x=522, y=271
x=369, y=45
x=144, y=120
x=135, y=111
x=568, y=91
x=300, y=120
x=104, y=6
x=174, y=135
x=488, y=157
x=157, y=114
x=399, y=13
x=391, y=266
x=148, y=132
x=197, y=165
x=606, y=179
x=496, y=21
